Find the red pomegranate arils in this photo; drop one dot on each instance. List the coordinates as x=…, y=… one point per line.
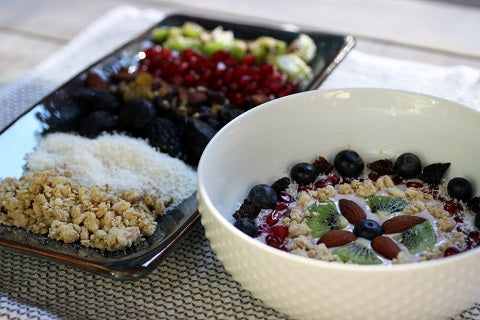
x=417, y=185
x=239, y=80
x=451, y=251
x=452, y=207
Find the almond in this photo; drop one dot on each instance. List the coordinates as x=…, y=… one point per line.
x=386, y=247
x=351, y=211
x=401, y=223
x=337, y=238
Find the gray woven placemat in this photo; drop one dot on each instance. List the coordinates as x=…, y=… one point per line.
x=189, y=284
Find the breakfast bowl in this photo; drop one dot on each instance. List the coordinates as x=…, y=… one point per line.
x=264, y=143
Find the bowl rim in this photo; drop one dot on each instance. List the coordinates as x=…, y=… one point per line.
x=201, y=193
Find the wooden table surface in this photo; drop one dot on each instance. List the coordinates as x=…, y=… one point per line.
x=439, y=32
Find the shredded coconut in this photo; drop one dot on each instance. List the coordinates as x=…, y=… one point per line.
x=123, y=163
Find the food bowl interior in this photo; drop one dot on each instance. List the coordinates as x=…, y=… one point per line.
x=262, y=145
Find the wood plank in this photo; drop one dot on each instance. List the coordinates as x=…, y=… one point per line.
x=19, y=54
x=424, y=24
x=57, y=19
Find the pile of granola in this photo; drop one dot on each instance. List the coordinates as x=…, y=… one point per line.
x=53, y=203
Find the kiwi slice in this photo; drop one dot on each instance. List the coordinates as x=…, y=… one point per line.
x=324, y=218
x=357, y=252
x=384, y=206
x=420, y=237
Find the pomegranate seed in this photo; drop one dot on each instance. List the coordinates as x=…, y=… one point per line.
x=397, y=180
x=458, y=219
x=280, y=207
x=305, y=187
x=322, y=183
x=373, y=176
x=417, y=185
x=220, y=72
x=475, y=236
x=283, y=93
x=333, y=179
x=272, y=218
x=263, y=228
x=452, y=207
x=451, y=251
x=285, y=198
x=273, y=241
x=248, y=59
x=280, y=231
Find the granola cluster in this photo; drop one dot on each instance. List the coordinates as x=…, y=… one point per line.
x=302, y=243
x=51, y=202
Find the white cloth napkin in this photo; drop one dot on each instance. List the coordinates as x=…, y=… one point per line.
x=460, y=84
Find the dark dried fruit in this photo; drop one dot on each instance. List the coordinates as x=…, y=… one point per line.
x=382, y=167
x=474, y=204
x=322, y=165
x=162, y=133
x=433, y=173
x=227, y=114
x=89, y=99
x=216, y=97
x=123, y=75
x=281, y=184
x=97, y=122
x=196, y=97
x=197, y=136
x=248, y=209
x=136, y=113
x=60, y=114
x=95, y=81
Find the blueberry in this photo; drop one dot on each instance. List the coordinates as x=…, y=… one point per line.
x=247, y=226
x=408, y=165
x=281, y=184
x=474, y=204
x=367, y=229
x=303, y=173
x=460, y=189
x=348, y=163
x=263, y=196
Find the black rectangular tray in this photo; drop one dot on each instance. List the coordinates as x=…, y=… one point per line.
x=22, y=135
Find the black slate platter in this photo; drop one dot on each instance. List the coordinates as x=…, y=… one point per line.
x=21, y=137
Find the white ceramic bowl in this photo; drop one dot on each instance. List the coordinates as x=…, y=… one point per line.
x=262, y=144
